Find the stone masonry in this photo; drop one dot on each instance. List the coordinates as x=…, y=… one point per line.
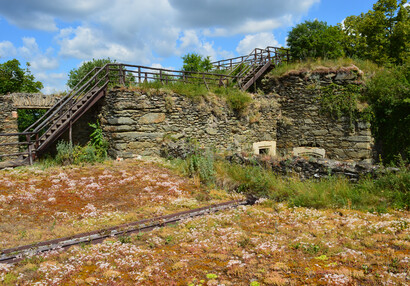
x=302, y=124
x=137, y=123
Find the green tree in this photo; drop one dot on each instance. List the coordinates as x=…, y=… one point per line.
x=76, y=75
x=381, y=35
x=196, y=63
x=15, y=79
x=388, y=95
x=314, y=39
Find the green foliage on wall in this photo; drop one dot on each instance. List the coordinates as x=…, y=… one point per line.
x=388, y=95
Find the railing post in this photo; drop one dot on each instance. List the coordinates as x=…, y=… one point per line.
x=160, y=76
x=146, y=78
x=37, y=141
x=121, y=75
x=139, y=74
x=30, y=149
x=203, y=77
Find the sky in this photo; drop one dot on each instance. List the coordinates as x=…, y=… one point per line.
x=59, y=35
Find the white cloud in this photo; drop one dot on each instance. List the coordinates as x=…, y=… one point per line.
x=260, y=40
x=7, y=49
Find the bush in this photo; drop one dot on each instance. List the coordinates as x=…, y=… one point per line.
x=388, y=94
x=73, y=154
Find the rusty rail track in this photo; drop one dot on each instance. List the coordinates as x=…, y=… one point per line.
x=16, y=254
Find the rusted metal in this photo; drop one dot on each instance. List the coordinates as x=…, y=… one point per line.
x=13, y=255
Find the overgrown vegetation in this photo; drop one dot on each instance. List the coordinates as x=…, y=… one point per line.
x=388, y=95
x=237, y=100
x=389, y=191
x=94, y=151
x=338, y=100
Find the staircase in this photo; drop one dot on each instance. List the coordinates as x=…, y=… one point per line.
x=245, y=71
x=248, y=69
x=60, y=117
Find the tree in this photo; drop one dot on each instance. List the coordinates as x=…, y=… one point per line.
x=76, y=75
x=388, y=94
x=15, y=79
x=381, y=35
x=196, y=63
x=314, y=39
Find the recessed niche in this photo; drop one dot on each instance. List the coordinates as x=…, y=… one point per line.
x=309, y=152
x=265, y=148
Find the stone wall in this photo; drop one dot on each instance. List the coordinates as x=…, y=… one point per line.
x=34, y=100
x=139, y=122
x=8, y=124
x=302, y=124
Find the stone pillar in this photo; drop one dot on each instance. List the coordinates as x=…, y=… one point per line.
x=8, y=124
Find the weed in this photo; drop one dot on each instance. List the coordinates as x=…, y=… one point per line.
x=124, y=239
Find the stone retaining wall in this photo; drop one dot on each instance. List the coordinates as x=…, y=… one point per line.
x=302, y=124
x=138, y=122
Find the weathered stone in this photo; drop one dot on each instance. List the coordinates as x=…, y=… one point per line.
x=131, y=136
x=319, y=132
x=140, y=145
x=211, y=131
x=152, y=118
x=359, y=138
x=120, y=121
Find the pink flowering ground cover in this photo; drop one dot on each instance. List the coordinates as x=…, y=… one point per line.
x=37, y=204
x=265, y=244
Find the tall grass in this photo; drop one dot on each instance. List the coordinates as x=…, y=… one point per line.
x=389, y=191
x=237, y=100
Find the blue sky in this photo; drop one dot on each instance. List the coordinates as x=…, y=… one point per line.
x=57, y=36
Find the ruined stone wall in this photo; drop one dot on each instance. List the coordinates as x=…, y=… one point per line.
x=8, y=124
x=302, y=123
x=139, y=122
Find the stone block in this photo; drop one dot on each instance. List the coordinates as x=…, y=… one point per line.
x=359, y=138
x=211, y=131
x=121, y=121
x=140, y=145
x=264, y=147
x=152, y=118
x=309, y=151
x=320, y=132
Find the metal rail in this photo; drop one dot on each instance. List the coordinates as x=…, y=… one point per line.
x=13, y=255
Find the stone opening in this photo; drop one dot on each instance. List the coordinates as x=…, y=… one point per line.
x=265, y=148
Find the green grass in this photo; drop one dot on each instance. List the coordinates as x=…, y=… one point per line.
x=389, y=191
x=237, y=100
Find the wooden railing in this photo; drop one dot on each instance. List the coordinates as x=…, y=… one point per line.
x=72, y=106
x=38, y=134
x=277, y=55
x=140, y=74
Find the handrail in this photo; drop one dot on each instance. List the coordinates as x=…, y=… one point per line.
x=57, y=103
x=226, y=62
x=98, y=78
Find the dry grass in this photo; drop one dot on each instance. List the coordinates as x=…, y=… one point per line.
x=38, y=204
x=328, y=66
x=265, y=244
